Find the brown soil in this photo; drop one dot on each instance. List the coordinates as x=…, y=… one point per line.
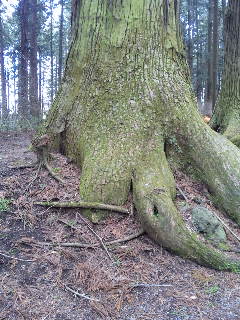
x=146, y=282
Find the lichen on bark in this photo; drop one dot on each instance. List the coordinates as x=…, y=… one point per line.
x=126, y=90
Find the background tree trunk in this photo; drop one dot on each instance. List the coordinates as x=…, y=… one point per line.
x=4, y=108
x=226, y=116
x=190, y=34
x=209, y=88
x=51, y=51
x=23, y=101
x=215, y=52
x=60, y=45
x=35, y=108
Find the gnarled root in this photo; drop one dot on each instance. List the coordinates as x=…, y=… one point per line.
x=218, y=162
x=41, y=145
x=161, y=220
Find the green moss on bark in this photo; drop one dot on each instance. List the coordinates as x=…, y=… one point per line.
x=126, y=90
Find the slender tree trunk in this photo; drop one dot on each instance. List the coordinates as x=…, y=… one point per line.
x=35, y=109
x=223, y=6
x=43, y=86
x=14, y=82
x=198, y=58
x=190, y=36
x=226, y=118
x=51, y=51
x=8, y=90
x=23, y=101
x=215, y=52
x=3, y=72
x=56, y=74
x=60, y=45
x=40, y=79
x=125, y=93
x=208, y=98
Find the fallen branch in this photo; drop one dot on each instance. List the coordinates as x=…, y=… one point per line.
x=89, y=245
x=181, y=192
x=150, y=285
x=81, y=295
x=40, y=145
x=14, y=258
x=84, y=205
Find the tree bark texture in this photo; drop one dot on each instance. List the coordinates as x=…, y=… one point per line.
x=226, y=118
x=208, y=98
x=51, y=49
x=4, y=106
x=126, y=91
x=35, y=107
x=215, y=51
x=23, y=101
x=60, y=51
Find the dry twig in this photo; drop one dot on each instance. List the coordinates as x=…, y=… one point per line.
x=227, y=227
x=97, y=236
x=81, y=295
x=14, y=258
x=89, y=245
x=150, y=285
x=181, y=192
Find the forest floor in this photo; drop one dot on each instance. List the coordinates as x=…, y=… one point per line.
x=145, y=282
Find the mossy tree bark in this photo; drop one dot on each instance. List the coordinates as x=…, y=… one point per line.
x=226, y=117
x=125, y=91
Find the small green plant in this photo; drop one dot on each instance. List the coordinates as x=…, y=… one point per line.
x=4, y=204
x=223, y=246
x=118, y=262
x=56, y=170
x=213, y=290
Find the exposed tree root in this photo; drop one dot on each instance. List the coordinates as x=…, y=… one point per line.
x=41, y=145
x=50, y=170
x=162, y=222
x=84, y=205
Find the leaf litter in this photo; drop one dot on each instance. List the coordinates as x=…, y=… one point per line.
x=145, y=282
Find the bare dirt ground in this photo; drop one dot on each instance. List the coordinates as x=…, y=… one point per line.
x=145, y=282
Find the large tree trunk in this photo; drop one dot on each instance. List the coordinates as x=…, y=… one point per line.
x=125, y=91
x=226, y=118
